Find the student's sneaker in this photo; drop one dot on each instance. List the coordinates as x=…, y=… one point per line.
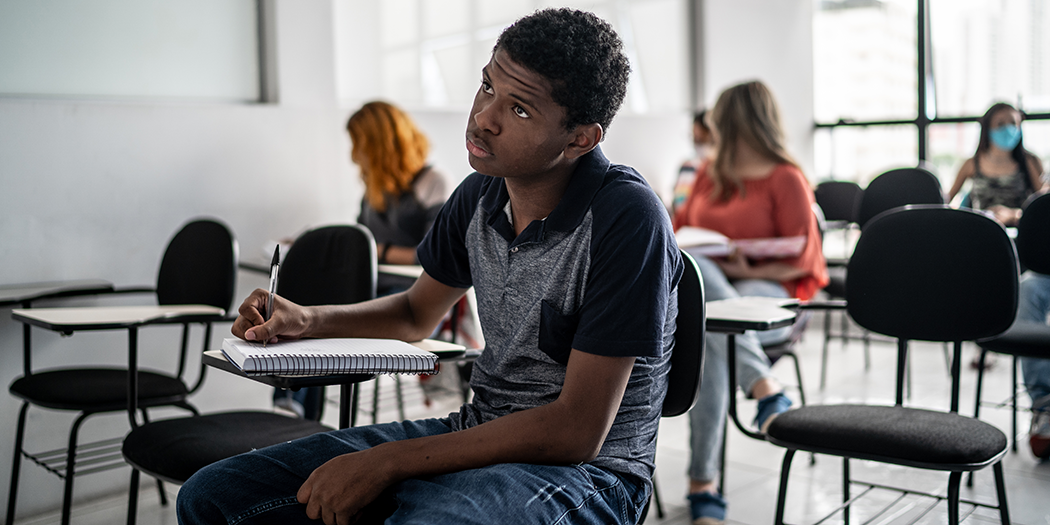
x=1039, y=436
x=769, y=408
x=707, y=508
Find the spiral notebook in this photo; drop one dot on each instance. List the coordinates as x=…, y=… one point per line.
x=316, y=357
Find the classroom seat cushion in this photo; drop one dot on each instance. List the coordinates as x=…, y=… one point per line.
x=1021, y=339
x=174, y=449
x=96, y=389
x=889, y=433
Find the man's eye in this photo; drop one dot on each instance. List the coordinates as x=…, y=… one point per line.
x=520, y=111
x=486, y=87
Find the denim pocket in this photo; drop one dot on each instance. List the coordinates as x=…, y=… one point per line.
x=556, y=332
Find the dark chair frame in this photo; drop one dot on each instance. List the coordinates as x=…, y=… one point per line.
x=687, y=358
x=184, y=277
x=324, y=266
x=885, y=295
x=892, y=189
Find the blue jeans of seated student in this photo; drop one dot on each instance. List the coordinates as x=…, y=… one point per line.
x=707, y=419
x=260, y=486
x=1033, y=306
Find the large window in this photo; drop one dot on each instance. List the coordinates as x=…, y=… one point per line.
x=430, y=52
x=885, y=69
x=130, y=49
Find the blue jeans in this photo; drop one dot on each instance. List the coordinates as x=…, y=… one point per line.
x=1033, y=307
x=708, y=418
x=261, y=486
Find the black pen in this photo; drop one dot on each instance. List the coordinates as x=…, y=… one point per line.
x=275, y=266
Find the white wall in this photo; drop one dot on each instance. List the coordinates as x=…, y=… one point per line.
x=96, y=189
x=772, y=42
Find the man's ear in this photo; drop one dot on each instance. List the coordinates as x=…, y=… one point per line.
x=584, y=138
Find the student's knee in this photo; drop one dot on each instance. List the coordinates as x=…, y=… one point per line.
x=194, y=504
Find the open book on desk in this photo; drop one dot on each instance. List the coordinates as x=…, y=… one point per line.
x=317, y=357
x=701, y=241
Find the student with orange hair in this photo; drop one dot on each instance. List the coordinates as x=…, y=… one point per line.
x=402, y=197
x=402, y=192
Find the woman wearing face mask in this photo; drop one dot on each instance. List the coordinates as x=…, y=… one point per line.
x=1002, y=173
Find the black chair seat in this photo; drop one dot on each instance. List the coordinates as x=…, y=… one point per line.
x=1022, y=339
x=174, y=449
x=96, y=389
x=905, y=436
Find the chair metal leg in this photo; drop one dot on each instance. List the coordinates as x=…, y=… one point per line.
x=71, y=459
x=977, y=401
x=1000, y=491
x=824, y=352
x=160, y=484
x=16, y=463
x=133, y=496
x=980, y=384
x=798, y=376
x=953, y=497
x=845, y=490
x=375, y=401
x=785, y=469
x=400, y=397
x=1013, y=403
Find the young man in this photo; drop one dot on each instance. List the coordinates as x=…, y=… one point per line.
x=575, y=269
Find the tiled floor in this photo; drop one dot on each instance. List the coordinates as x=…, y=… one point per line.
x=753, y=466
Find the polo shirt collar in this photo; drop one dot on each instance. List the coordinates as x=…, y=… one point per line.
x=586, y=180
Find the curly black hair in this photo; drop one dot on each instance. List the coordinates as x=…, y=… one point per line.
x=579, y=54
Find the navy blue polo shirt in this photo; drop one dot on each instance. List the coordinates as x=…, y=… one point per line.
x=599, y=274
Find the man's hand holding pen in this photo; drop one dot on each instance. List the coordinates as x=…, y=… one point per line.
x=288, y=320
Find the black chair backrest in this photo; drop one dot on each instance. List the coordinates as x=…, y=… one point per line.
x=1033, y=234
x=330, y=265
x=933, y=273
x=687, y=359
x=199, y=266
x=896, y=188
x=839, y=199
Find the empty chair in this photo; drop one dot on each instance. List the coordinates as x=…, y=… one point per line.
x=330, y=265
x=198, y=267
x=892, y=189
x=840, y=201
x=904, y=280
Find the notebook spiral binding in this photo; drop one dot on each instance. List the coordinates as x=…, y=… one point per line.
x=329, y=364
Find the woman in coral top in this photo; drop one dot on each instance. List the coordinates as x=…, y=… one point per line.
x=750, y=189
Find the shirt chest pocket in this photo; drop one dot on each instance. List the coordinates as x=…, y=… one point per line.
x=556, y=332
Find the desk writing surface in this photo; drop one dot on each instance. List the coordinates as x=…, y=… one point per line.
x=17, y=293
x=749, y=313
x=108, y=317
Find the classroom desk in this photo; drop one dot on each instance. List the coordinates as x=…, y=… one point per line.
x=130, y=318
x=26, y=294
x=737, y=315
x=447, y=352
